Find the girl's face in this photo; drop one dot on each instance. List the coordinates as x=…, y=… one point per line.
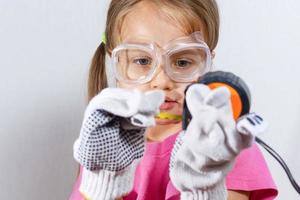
x=145, y=23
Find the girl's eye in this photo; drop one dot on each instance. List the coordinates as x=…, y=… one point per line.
x=182, y=63
x=142, y=61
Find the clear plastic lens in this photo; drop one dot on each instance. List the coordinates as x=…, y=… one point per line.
x=188, y=61
x=134, y=64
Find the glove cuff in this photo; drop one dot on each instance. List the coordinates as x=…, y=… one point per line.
x=218, y=192
x=107, y=185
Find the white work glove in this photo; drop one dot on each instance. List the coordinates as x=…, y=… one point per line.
x=204, y=153
x=111, y=140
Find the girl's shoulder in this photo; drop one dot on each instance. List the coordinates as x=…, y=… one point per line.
x=251, y=173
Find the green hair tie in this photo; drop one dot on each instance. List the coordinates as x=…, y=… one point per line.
x=103, y=38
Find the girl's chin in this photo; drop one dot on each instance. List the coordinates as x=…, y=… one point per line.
x=166, y=121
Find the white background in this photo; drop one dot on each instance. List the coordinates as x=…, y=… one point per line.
x=45, y=50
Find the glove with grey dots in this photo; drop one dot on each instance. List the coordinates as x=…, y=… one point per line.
x=111, y=140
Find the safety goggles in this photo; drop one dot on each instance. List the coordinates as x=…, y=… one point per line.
x=183, y=60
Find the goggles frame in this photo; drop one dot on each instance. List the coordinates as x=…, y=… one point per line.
x=195, y=40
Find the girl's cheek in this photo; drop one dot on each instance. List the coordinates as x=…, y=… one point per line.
x=143, y=87
x=180, y=91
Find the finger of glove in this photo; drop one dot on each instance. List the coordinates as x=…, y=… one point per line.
x=141, y=120
x=252, y=124
x=118, y=101
x=218, y=98
x=195, y=96
x=151, y=101
x=149, y=106
x=201, y=99
x=247, y=131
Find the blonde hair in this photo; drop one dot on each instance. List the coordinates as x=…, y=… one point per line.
x=188, y=16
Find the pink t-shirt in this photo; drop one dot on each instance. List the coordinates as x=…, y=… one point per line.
x=152, y=181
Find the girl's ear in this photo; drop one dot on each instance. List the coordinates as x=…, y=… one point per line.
x=109, y=52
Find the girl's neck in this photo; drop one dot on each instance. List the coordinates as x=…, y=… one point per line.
x=159, y=133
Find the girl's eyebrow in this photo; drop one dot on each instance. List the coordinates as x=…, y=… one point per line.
x=140, y=40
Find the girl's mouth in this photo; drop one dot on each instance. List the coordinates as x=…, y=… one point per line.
x=168, y=104
x=166, y=115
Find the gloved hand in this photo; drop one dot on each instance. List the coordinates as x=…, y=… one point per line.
x=111, y=140
x=204, y=153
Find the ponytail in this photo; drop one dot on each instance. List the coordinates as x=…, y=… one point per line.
x=97, y=74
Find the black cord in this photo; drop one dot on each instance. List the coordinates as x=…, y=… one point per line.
x=281, y=162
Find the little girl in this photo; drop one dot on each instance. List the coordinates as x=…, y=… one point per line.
x=131, y=145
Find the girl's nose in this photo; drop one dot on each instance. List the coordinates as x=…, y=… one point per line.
x=161, y=80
